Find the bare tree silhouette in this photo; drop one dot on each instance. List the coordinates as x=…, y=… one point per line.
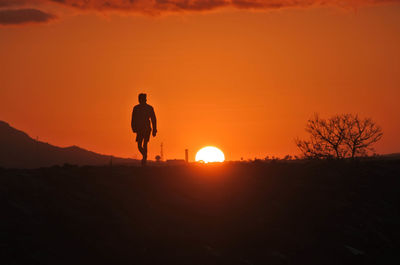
x=341, y=136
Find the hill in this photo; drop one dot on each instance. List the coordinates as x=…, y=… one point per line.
x=394, y=156
x=19, y=150
x=241, y=213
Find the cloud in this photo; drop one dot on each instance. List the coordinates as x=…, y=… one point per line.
x=12, y=3
x=164, y=6
x=23, y=16
x=31, y=11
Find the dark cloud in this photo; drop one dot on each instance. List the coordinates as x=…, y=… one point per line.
x=162, y=6
x=11, y=3
x=23, y=16
x=29, y=9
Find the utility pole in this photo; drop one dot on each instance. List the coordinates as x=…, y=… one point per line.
x=186, y=155
x=162, y=152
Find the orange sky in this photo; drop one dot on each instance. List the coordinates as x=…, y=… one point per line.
x=243, y=81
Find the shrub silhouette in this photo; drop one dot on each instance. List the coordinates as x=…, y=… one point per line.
x=341, y=136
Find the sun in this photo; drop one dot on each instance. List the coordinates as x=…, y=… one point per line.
x=210, y=154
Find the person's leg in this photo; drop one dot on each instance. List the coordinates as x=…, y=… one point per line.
x=139, y=140
x=140, y=147
x=141, y=143
x=146, y=138
x=145, y=150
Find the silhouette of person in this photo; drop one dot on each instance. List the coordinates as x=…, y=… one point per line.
x=141, y=116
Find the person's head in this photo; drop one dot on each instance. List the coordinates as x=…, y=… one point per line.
x=142, y=98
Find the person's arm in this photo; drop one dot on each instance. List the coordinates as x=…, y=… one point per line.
x=153, y=121
x=133, y=124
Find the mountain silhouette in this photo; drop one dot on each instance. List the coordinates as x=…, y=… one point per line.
x=19, y=150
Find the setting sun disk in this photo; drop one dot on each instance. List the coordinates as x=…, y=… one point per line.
x=210, y=154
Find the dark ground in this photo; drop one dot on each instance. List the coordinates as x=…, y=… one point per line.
x=276, y=213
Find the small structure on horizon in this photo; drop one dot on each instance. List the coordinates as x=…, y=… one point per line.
x=186, y=155
x=176, y=162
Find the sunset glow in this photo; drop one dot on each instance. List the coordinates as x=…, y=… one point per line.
x=218, y=72
x=210, y=154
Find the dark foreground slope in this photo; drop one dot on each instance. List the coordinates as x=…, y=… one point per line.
x=312, y=213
